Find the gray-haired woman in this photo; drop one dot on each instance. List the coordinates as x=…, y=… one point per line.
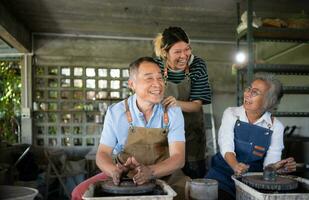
x=250, y=138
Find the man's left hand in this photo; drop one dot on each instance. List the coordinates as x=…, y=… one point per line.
x=143, y=173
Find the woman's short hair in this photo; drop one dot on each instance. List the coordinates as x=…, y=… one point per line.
x=134, y=66
x=164, y=41
x=274, y=93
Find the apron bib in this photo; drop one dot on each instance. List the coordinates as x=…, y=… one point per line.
x=147, y=145
x=150, y=146
x=194, y=126
x=251, y=144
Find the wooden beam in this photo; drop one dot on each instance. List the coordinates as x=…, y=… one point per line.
x=14, y=33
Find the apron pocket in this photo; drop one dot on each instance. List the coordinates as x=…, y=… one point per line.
x=243, y=150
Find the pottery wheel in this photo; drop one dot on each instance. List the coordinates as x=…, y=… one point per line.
x=126, y=186
x=281, y=183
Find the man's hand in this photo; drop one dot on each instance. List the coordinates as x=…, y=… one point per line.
x=143, y=173
x=121, y=170
x=285, y=166
x=169, y=101
x=116, y=175
x=240, y=168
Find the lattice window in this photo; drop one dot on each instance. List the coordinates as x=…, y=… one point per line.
x=70, y=103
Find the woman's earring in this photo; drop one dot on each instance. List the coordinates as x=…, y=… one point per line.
x=164, y=53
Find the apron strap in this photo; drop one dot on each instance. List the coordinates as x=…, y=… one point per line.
x=268, y=124
x=272, y=122
x=128, y=113
x=165, y=118
x=129, y=117
x=187, y=72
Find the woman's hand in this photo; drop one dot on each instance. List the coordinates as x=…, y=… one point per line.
x=169, y=101
x=285, y=166
x=240, y=168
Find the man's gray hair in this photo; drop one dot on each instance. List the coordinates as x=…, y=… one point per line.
x=134, y=66
x=274, y=93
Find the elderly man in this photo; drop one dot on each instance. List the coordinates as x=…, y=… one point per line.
x=146, y=138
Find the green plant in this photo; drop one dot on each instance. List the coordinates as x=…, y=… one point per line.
x=10, y=100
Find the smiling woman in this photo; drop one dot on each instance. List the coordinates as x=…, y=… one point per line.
x=254, y=99
x=186, y=86
x=267, y=86
x=250, y=138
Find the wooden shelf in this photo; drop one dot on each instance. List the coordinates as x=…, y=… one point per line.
x=277, y=34
x=289, y=69
x=296, y=90
x=291, y=114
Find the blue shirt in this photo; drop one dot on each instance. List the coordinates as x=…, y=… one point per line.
x=116, y=125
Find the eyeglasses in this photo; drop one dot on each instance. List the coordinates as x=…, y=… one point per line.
x=253, y=91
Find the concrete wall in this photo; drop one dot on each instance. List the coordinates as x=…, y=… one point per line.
x=111, y=52
x=75, y=51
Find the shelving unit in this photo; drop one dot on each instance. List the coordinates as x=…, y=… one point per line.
x=295, y=145
x=252, y=35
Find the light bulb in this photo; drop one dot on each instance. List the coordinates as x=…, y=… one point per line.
x=240, y=57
